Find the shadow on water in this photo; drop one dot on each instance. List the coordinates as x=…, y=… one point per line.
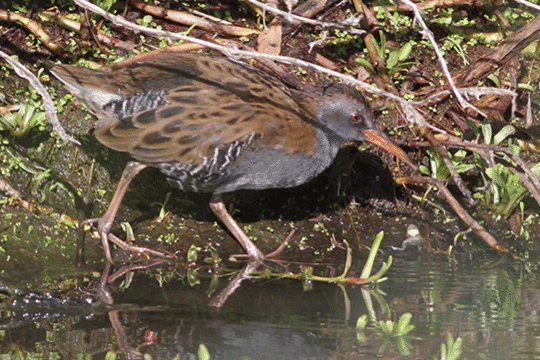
x=163, y=312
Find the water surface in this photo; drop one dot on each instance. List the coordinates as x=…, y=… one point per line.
x=489, y=302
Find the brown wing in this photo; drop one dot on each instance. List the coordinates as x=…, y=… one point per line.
x=211, y=102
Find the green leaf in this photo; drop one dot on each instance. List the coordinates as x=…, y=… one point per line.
x=438, y=167
x=487, y=132
x=424, y=170
x=495, y=80
x=362, y=322
x=404, y=325
x=193, y=253
x=405, y=51
x=111, y=355
x=392, y=60
x=365, y=64
x=505, y=132
x=387, y=327
x=203, y=353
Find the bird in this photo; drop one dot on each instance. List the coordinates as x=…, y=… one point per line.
x=217, y=125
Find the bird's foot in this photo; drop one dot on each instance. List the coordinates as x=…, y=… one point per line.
x=106, y=236
x=138, y=250
x=254, y=254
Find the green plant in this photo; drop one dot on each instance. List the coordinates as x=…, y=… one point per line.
x=105, y=4
x=506, y=190
x=395, y=58
x=452, y=349
x=25, y=119
x=145, y=20
x=400, y=328
x=397, y=334
x=501, y=187
x=438, y=168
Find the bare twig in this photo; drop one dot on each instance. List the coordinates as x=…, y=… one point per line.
x=458, y=143
x=54, y=15
x=450, y=166
x=325, y=25
x=34, y=27
x=528, y=4
x=48, y=103
x=473, y=91
x=191, y=20
x=528, y=114
x=8, y=189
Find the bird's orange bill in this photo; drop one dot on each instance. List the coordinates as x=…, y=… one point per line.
x=377, y=137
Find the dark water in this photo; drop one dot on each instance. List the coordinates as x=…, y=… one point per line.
x=164, y=313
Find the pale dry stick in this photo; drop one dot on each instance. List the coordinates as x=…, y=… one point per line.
x=442, y=62
x=8, y=189
x=473, y=91
x=528, y=4
x=291, y=17
x=48, y=103
x=210, y=17
x=528, y=114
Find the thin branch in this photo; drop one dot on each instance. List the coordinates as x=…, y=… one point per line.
x=528, y=4
x=473, y=91
x=345, y=25
x=450, y=166
x=34, y=27
x=8, y=189
x=191, y=20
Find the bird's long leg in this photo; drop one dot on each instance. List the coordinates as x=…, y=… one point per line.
x=253, y=252
x=105, y=222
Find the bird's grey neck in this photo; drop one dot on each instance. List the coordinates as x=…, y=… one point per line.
x=329, y=144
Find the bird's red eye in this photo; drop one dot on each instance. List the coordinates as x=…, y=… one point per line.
x=355, y=117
